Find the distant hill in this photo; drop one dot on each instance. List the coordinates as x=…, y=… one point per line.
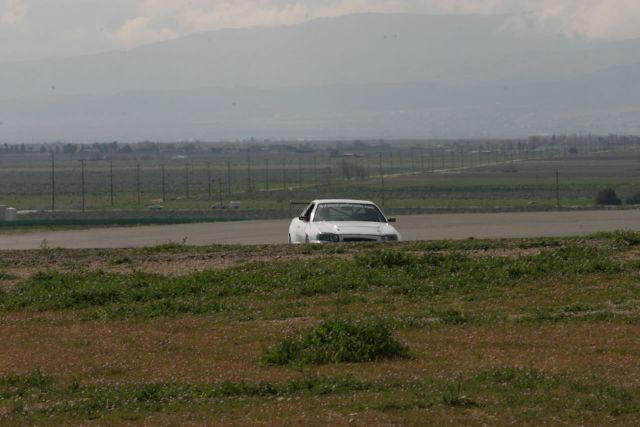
x=359, y=75
x=602, y=102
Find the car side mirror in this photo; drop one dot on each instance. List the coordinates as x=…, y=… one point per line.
x=392, y=220
x=303, y=218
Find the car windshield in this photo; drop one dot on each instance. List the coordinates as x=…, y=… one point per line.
x=348, y=212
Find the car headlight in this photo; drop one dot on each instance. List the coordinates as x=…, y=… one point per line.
x=390, y=238
x=328, y=237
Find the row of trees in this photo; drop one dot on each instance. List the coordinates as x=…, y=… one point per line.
x=570, y=143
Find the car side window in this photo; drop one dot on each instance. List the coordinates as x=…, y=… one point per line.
x=307, y=212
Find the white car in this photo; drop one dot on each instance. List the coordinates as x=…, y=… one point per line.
x=326, y=221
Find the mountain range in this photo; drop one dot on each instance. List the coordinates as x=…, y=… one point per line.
x=357, y=76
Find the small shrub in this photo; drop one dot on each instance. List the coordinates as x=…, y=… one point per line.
x=625, y=238
x=385, y=258
x=6, y=276
x=513, y=377
x=608, y=197
x=455, y=397
x=34, y=380
x=454, y=317
x=120, y=260
x=338, y=340
x=634, y=199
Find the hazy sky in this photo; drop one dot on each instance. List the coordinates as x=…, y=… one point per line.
x=31, y=29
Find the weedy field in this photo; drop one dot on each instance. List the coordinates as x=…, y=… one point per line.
x=534, y=331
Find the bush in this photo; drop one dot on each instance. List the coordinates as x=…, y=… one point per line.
x=385, y=258
x=624, y=238
x=338, y=340
x=634, y=199
x=608, y=197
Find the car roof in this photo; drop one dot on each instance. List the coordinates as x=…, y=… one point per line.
x=367, y=202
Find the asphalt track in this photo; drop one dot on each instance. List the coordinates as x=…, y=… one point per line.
x=412, y=227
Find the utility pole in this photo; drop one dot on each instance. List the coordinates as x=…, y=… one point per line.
x=266, y=174
x=557, y=189
x=220, y=191
x=111, y=181
x=248, y=170
x=209, y=180
x=228, y=177
x=138, y=181
x=186, y=175
x=432, y=161
x=284, y=174
x=82, y=181
x=315, y=171
x=164, y=188
x=381, y=180
x=53, y=182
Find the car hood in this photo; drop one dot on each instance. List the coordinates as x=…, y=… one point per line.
x=369, y=228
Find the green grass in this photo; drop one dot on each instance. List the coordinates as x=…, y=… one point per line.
x=338, y=341
x=88, y=401
x=466, y=313
x=34, y=397
x=405, y=271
